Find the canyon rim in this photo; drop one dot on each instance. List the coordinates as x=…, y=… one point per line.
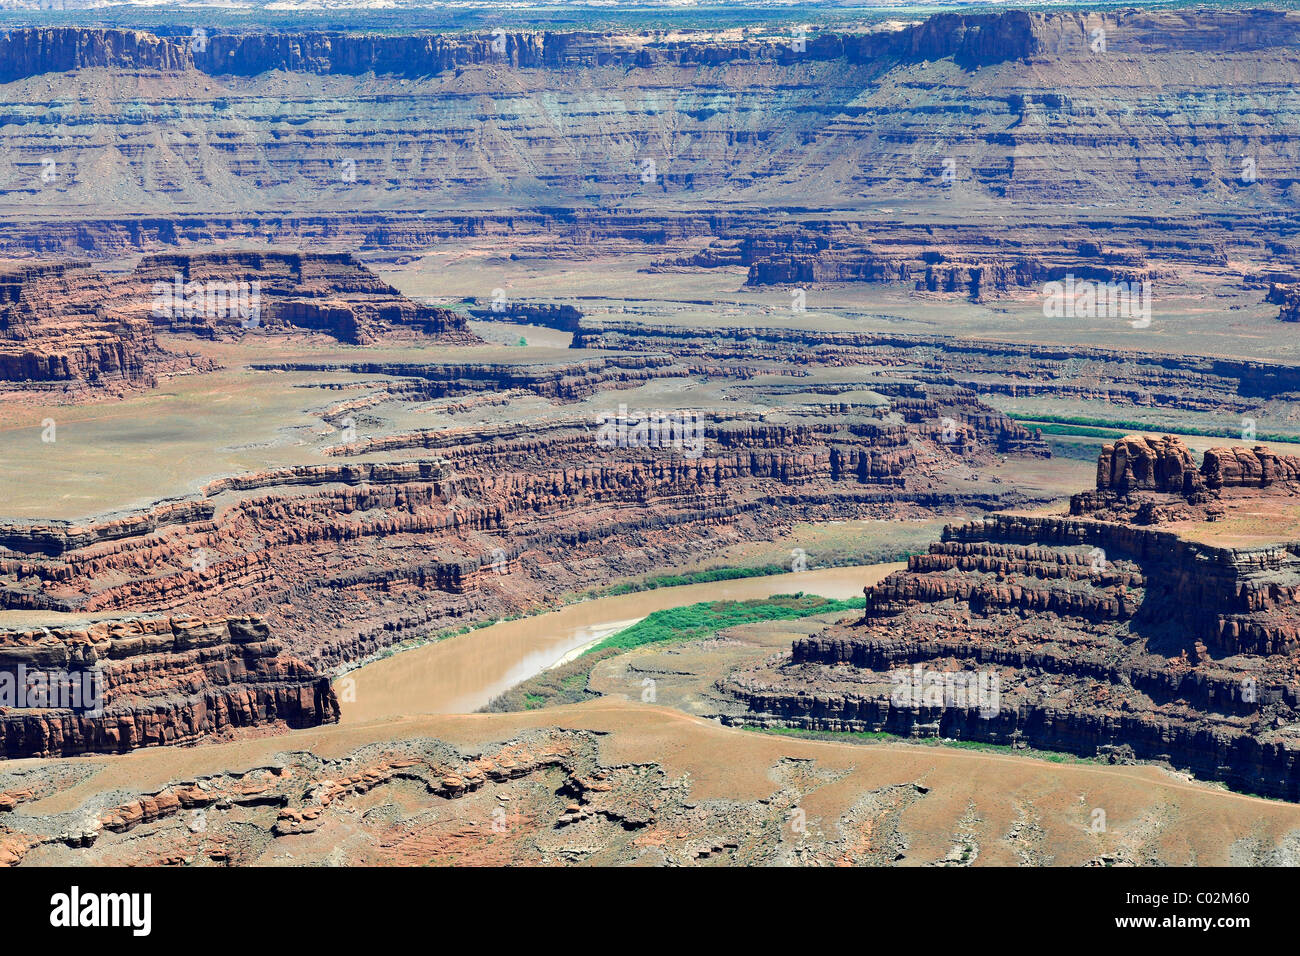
x=645, y=434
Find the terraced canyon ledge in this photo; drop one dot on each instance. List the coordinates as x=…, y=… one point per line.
x=1106, y=632
x=329, y=335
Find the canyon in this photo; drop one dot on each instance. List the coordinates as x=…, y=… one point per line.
x=318, y=346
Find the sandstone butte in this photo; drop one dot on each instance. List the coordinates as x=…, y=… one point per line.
x=1108, y=632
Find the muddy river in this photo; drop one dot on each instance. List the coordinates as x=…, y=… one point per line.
x=462, y=674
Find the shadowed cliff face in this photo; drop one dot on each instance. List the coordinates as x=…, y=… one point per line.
x=1032, y=107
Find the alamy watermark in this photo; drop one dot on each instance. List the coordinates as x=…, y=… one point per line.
x=1088, y=299
x=75, y=909
x=53, y=689
x=680, y=429
x=240, y=300
x=919, y=687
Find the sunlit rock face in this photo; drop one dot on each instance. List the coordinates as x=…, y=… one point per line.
x=1125, y=108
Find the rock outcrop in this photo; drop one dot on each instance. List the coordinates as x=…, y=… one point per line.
x=111, y=686
x=1288, y=297
x=1153, y=480
x=1138, y=463
x=1094, y=637
x=73, y=327
x=209, y=293
x=58, y=329
x=1257, y=467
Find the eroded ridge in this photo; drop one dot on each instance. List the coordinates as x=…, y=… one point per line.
x=111, y=686
x=1119, y=377
x=1097, y=637
x=464, y=524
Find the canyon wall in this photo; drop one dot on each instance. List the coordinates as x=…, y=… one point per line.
x=970, y=38
x=442, y=123
x=347, y=558
x=117, y=685
x=1090, y=636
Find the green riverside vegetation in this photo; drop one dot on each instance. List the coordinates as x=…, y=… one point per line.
x=695, y=577
x=1118, y=428
x=567, y=683
x=703, y=620
x=880, y=736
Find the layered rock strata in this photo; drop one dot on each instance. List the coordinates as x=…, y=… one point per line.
x=1094, y=637
x=345, y=559
x=984, y=367
x=57, y=330
x=1149, y=481
x=70, y=326
x=117, y=685
x=845, y=115
x=208, y=294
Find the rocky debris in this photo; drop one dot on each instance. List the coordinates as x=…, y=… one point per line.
x=124, y=684
x=543, y=796
x=548, y=797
